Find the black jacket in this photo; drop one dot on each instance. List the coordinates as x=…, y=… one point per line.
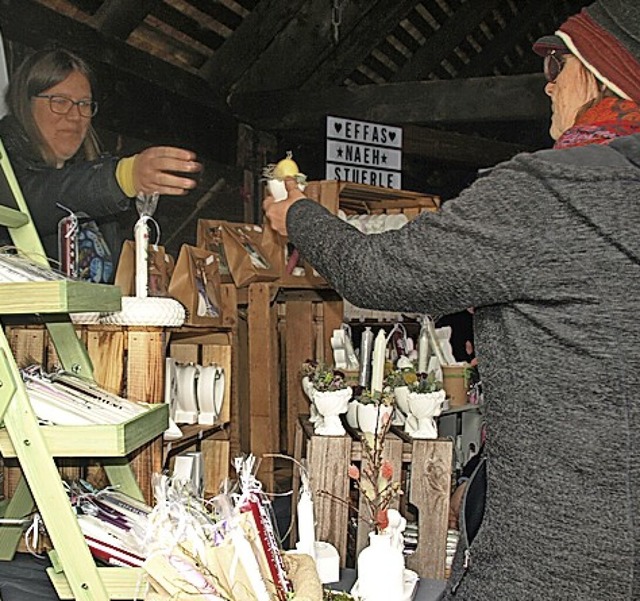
x=81, y=186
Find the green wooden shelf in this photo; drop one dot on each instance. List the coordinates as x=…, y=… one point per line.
x=58, y=296
x=98, y=441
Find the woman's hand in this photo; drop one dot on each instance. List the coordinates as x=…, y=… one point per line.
x=276, y=211
x=158, y=169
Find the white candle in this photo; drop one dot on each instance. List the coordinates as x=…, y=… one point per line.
x=306, y=525
x=377, y=363
x=141, y=237
x=423, y=349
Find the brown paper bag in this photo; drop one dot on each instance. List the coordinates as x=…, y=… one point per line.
x=196, y=284
x=294, y=269
x=160, y=269
x=209, y=237
x=245, y=256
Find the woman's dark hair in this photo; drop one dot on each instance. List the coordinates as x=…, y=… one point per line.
x=39, y=72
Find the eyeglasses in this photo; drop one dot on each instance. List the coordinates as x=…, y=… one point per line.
x=61, y=105
x=553, y=65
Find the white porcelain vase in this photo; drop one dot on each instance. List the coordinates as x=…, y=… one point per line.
x=330, y=404
x=380, y=570
x=352, y=414
x=371, y=416
x=425, y=406
x=307, y=386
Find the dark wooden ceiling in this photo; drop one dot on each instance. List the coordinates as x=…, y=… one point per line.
x=458, y=75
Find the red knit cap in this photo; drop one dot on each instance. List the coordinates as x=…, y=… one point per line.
x=605, y=37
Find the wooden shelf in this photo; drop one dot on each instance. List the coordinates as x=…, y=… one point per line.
x=99, y=441
x=192, y=434
x=59, y=296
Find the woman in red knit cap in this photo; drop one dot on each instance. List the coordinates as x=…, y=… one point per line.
x=546, y=248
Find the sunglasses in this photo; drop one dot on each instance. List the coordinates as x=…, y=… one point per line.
x=554, y=62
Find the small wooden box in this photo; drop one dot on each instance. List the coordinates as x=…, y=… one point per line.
x=361, y=198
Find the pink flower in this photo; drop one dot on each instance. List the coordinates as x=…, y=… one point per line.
x=386, y=469
x=382, y=519
x=354, y=472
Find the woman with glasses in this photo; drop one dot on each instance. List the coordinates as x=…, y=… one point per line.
x=546, y=247
x=52, y=147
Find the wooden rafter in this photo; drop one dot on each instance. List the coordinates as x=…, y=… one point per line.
x=513, y=98
x=444, y=40
x=118, y=18
x=248, y=42
x=494, y=51
x=355, y=45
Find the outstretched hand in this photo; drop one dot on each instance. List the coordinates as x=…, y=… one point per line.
x=276, y=210
x=161, y=168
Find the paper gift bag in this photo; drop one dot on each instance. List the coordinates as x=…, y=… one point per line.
x=209, y=237
x=293, y=268
x=246, y=258
x=161, y=265
x=196, y=284
x=178, y=577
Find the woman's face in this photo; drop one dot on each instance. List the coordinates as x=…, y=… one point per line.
x=63, y=133
x=572, y=89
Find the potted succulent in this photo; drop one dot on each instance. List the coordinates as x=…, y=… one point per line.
x=399, y=380
x=329, y=394
x=373, y=408
x=425, y=399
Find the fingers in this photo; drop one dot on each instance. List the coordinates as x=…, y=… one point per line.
x=162, y=169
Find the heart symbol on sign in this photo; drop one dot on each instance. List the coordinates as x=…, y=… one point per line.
x=338, y=127
x=392, y=135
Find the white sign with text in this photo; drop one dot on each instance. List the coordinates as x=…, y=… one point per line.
x=364, y=152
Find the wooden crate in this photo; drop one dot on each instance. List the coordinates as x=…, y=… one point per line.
x=130, y=361
x=219, y=442
x=361, y=198
x=425, y=466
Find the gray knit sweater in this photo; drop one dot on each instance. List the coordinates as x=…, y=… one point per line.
x=546, y=247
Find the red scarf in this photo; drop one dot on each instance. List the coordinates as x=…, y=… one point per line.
x=611, y=118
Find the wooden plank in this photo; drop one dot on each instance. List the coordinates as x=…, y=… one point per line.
x=299, y=347
x=221, y=355
x=58, y=296
x=145, y=382
x=430, y=489
x=106, y=348
x=496, y=49
x=377, y=20
x=481, y=99
x=443, y=41
x=217, y=462
x=185, y=352
x=240, y=389
x=145, y=365
x=264, y=394
x=393, y=453
x=119, y=18
x=248, y=42
x=28, y=344
x=328, y=461
x=333, y=315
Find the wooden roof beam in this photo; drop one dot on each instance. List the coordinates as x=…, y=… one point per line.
x=485, y=99
x=444, y=40
x=355, y=45
x=118, y=18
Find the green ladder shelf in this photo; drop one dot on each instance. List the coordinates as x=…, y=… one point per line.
x=74, y=573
